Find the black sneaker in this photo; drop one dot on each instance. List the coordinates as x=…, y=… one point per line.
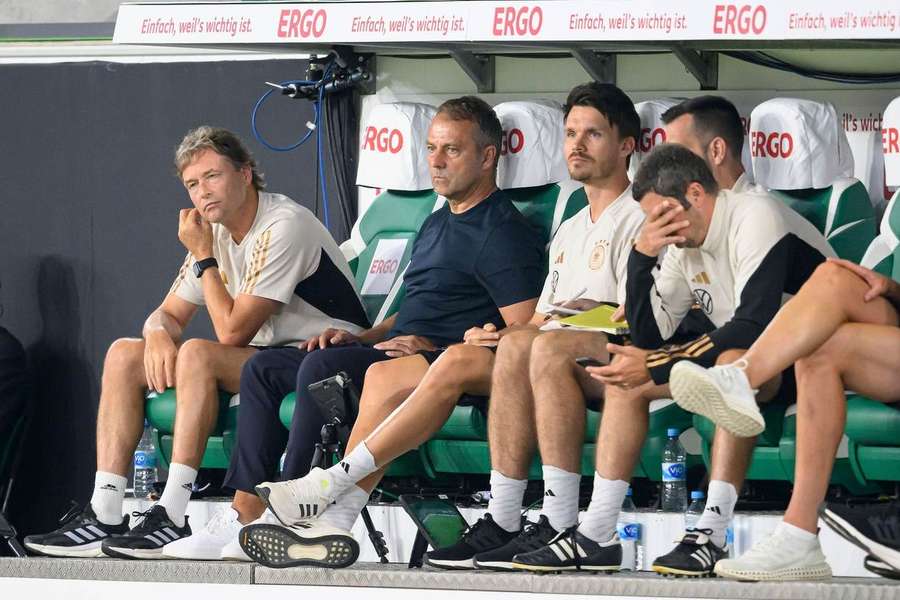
x=572, y=551
x=81, y=535
x=147, y=538
x=694, y=556
x=873, y=527
x=484, y=535
x=880, y=567
x=533, y=536
x=313, y=544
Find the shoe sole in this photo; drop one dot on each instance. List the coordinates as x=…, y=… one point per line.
x=277, y=547
x=847, y=531
x=452, y=565
x=874, y=565
x=793, y=574
x=493, y=565
x=134, y=553
x=673, y=572
x=552, y=569
x=93, y=551
x=694, y=391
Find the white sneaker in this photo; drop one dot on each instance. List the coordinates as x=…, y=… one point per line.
x=314, y=544
x=776, y=558
x=298, y=500
x=233, y=551
x=207, y=544
x=721, y=394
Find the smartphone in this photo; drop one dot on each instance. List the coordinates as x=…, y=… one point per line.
x=587, y=361
x=437, y=518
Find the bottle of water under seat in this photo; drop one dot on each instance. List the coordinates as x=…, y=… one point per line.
x=674, y=473
x=145, y=464
x=695, y=510
x=630, y=535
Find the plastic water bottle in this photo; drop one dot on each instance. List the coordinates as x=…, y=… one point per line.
x=729, y=542
x=674, y=484
x=695, y=510
x=145, y=464
x=629, y=534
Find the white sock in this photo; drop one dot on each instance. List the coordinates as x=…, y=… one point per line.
x=560, y=497
x=720, y=500
x=505, y=505
x=599, y=522
x=177, y=493
x=354, y=467
x=345, y=510
x=109, y=493
x=802, y=536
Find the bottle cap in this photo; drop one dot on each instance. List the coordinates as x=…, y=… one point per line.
x=697, y=495
x=628, y=492
x=672, y=432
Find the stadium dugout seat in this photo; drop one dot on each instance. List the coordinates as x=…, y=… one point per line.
x=800, y=152
x=653, y=130
x=378, y=249
x=873, y=428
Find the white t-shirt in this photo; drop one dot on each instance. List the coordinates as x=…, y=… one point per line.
x=592, y=256
x=290, y=257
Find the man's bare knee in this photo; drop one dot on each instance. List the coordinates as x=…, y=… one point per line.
x=125, y=356
x=195, y=356
x=515, y=347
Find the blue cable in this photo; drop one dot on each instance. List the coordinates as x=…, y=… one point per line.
x=262, y=100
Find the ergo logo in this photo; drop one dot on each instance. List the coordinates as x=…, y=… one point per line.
x=744, y=19
x=771, y=145
x=383, y=140
x=380, y=266
x=649, y=139
x=525, y=20
x=512, y=142
x=890, y=139
x=296, y=23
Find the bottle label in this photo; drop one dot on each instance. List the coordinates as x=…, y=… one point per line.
x=629, y=531
x=144, y=460
x=673, y=471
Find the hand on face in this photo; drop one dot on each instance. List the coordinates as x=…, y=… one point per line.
x=665, y=225
x=195, y=233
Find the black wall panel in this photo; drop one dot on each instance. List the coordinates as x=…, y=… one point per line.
x=88, y=226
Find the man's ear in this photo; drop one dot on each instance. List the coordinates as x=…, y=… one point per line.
x=627, y=146
x=717, y=150
x=695, y=194
x=489, y=157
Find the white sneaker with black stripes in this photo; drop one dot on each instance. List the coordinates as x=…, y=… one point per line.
x=694, y=556
x=298, y=500
x=80, y=535
x=147, y=538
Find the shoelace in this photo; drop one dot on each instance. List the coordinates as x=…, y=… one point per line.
x=145, y=518
x=570, y=534
x=692, y=536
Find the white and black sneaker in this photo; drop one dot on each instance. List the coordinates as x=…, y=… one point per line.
x=573, y=551
x=873, y=527
x=80, y=535
x=147, y=538
x=694, y=556
x=483, y=536
x=533, y=536
x=314, y=544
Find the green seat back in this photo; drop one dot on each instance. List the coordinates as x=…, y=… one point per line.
x=393, y=215
x=843, y=213
x=546, y=206
x=883, y=254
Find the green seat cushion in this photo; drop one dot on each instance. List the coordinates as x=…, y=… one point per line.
x=852, y=226
x=871, y=423
x=160, y=411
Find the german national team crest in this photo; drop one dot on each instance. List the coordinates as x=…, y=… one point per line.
x=597, y=255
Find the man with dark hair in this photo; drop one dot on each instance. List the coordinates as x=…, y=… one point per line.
x=538, y=393
x=474, y=261
x=735, y=254
x=254, y=260
x=711, y=128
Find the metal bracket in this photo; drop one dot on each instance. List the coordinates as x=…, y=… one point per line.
x=479, y=68
x=703, y=65
x=599, y=65
x=365, y=62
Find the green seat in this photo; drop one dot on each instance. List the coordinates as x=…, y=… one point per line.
x=547, y=206
x=160, y=411
x=380, y=245
x=843, y=213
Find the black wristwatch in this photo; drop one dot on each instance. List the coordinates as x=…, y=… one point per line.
x=202, y=265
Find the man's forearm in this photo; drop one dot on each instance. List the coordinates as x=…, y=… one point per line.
x=220, y=305
x=160, y=320
x=379, y=332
